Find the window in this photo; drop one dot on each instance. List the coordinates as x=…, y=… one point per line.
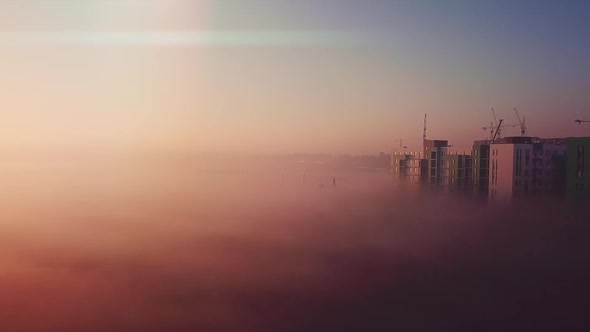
x=527, y=158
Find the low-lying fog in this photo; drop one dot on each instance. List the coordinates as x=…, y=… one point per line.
x=186, y=246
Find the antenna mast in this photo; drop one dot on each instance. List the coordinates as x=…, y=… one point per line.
x=424, y=136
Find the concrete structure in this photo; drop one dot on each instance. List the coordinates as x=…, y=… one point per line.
x=457, y=172
x=522, y=166
x=434, y=152
x=549, y=165
x=481, y=167
x=406, y=167
x=507, y=168
x=578, y=167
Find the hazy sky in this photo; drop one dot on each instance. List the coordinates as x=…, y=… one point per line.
x=285, y=75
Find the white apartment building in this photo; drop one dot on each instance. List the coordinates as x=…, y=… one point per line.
x=510, y=170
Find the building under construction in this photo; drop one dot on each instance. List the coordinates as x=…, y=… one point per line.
x=504, y=168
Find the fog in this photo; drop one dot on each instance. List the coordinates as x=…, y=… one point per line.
x=183, y=244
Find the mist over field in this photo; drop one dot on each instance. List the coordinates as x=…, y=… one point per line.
x=200, y=245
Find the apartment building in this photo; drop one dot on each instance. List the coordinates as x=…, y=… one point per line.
x=524, y=166
x=480, y=155
x=507, y=168
x=406, y=167
x=457, y=173
x=578, y=167
x=434, y=153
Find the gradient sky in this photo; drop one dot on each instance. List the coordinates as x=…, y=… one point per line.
x=262, y=76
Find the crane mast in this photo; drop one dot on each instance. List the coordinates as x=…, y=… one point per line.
x=497, y=130
x=521, y=122
x=424, y=136
x=495, y=125
x=492, y=128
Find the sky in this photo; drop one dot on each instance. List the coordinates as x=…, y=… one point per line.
x=279, y=76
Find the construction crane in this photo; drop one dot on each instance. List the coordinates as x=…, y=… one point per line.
x=401, y=143
x=424, y=132
x=424, y=136
x=494, y=124
x=497, y=130
x=581, y=121
x=521, y=122
x=493, y=128
x=494, y=116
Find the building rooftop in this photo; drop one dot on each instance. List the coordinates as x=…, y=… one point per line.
x=516, y=140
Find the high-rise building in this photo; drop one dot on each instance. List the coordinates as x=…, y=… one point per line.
x=457, y=174
x=434, y=152
x=578, y=167
x=481, y=167
x=507, y=168
x=406, y=167
x=522, y=166
x=549, y=165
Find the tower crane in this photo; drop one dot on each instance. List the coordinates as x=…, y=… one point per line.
x=494, y=124
x=494, y=116
x=521, y=122
x=493, y=128
x=497, y=130
x=581, y=121
x=424, y=135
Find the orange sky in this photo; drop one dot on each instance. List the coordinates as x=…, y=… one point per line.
x=215, y=77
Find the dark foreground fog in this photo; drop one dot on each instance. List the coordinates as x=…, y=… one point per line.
x=113, y=247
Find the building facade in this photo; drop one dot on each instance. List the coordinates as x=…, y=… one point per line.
x=434, y=153
x=457, y=174
x=525, y=166
x=506, y=168
x=578, y=167
x=480, y=155
x=406, y=167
